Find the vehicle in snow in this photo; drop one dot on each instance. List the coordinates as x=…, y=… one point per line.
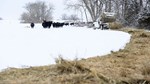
x=105, y=19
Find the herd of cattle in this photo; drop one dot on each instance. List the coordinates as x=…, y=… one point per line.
x=48, y=24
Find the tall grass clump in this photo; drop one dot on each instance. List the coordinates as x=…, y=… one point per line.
x=146, y=69
x=65, y=66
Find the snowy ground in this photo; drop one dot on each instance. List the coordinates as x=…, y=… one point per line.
x=22, y=46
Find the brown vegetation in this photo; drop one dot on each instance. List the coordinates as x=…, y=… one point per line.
x=128, y=66
x=115, y=25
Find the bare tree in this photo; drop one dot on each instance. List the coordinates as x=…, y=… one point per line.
x=108, y=5
x=147, y=6
x=94, y=7
x=73, y=17
x=127, y=11
x=37, y=11
x=64, y=17
x=77, y=7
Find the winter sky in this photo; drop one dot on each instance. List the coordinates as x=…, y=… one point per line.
x=12, y=9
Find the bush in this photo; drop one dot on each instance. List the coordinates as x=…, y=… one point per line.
x=144, y=19
x=115, y=25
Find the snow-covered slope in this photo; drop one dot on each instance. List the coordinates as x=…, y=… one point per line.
x=23, y=46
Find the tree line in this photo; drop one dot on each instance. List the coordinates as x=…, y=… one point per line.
x=127, y=11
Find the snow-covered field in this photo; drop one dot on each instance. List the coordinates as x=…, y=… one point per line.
x=22, y=46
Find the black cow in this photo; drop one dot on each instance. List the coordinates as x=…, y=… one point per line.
x=46, y=24
x=57, y=24
x=72, y=23
x=66, y=24
x=32, y=25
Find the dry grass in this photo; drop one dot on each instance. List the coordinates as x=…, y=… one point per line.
x=128, y=66
x=67, y=67
x=115, y=25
